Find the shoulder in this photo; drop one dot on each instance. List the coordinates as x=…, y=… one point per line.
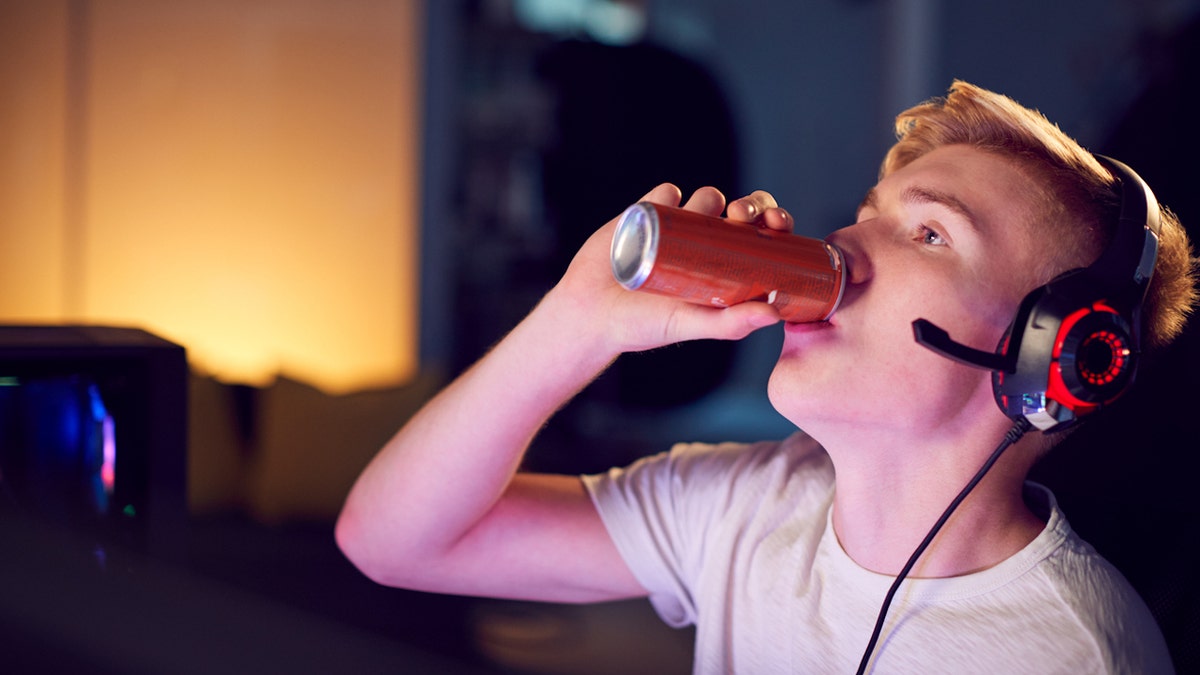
x=695, y=466
x=1082, y=576
x=703, y=485
x=1102, y=603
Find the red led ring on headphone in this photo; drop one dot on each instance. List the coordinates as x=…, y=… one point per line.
x=1104, y=357
x=1092, y=362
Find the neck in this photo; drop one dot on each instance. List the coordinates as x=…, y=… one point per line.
x=892, y=489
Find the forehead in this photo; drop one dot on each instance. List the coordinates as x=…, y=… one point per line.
x=991, y=194
x=925, y=194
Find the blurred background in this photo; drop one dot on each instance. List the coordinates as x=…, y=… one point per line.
x=335, y=207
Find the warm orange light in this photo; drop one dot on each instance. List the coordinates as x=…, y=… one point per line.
x=248, y=186
x=33, y=52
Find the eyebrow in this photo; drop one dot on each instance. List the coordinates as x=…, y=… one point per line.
x=916, y=194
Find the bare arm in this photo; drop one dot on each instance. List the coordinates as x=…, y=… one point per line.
x=442, y=507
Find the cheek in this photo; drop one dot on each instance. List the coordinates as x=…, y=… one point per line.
x=977, y=315
x=988, y=300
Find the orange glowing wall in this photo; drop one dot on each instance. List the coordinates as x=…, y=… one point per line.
x=239, y=177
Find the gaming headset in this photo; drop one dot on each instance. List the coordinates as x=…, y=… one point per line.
x=1074, y=343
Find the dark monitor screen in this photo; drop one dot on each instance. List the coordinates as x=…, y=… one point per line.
x=58, y=447
x=93, y=432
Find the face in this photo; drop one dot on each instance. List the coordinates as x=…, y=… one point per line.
x=946, y=238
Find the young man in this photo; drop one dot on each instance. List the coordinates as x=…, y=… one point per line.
x=781, y=552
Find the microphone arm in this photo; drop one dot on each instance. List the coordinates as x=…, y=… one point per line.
x=932, y=337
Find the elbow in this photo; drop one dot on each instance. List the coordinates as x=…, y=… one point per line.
x=354, y=540
x=370, y=544
x=347, y=534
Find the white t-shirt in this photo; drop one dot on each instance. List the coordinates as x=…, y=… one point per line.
x=737, y=539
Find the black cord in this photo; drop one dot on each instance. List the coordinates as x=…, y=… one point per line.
x=1011, y=436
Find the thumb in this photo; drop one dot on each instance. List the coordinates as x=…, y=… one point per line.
x=695, y=322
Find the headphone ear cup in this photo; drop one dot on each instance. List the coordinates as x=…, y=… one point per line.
x=1084, y=361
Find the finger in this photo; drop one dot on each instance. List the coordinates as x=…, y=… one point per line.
x=761, y=210
x=665, y=194
x=778, y=219
x=708, y=200
x=751, y=208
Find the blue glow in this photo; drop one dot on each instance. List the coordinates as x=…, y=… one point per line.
x=608, y=21
x=57, y=445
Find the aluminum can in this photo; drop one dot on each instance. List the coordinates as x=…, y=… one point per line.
x=718, y=262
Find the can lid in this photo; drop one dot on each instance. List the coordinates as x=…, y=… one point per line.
x=837, y=260
x=634, y=245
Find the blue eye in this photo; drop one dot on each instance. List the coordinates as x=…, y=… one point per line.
x=931, y=237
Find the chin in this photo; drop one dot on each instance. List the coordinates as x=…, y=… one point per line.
x=790, y=395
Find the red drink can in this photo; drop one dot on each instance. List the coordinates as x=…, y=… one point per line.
x=713, y=261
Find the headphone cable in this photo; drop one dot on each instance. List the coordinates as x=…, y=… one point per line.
x=1014, y=434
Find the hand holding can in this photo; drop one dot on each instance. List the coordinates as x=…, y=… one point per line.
x=713, y=261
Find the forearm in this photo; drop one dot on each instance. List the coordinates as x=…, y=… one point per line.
x=445, y=470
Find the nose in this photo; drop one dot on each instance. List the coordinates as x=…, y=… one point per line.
x=854, y=253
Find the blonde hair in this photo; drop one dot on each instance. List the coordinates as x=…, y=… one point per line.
x=1078, y=201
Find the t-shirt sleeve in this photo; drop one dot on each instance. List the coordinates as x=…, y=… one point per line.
x=661, y=513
